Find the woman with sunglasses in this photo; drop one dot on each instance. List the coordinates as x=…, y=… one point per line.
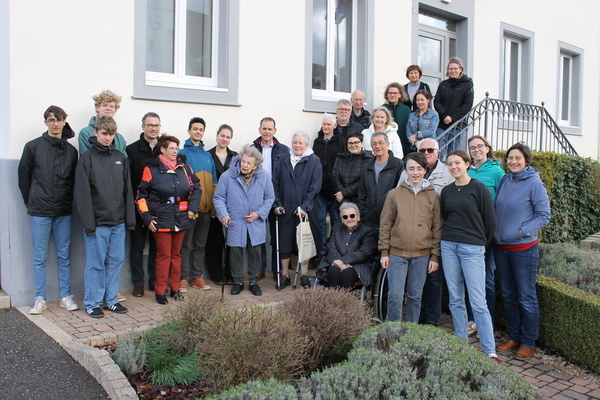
x=423, y=122
x=350, y=250
x=348, y=169
x=409, y=238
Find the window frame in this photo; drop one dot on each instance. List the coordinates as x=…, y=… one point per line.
x=221, y=89
x=525, y=69
x=572, y=125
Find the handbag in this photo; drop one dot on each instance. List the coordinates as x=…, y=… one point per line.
x=305, y=241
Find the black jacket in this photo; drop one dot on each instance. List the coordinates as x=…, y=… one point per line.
x=103, y=195
x=47, y=175
x=327, y=151
x=165, y=196
x=371, y=194
x=140, y=154
x=363, y=118
x=352, y=127
x=454, y=97
x=347, y=172
x=411, y=103
x=218, y=166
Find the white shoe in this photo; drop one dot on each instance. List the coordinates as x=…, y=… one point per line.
x=471, y=328
x=39, y=306
x=121, y=298
x=68, y=303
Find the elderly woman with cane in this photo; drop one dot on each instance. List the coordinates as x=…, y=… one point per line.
x=243, y=200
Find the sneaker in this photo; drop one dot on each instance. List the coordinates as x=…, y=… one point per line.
x=38, y=306
x=471, y=328
x=199, y=283
x=183, y=286
x=117, y=308
x=495, y=357
x=68, y=303
x=95, y=312
x=120, y=297
x=138, y=290
x=304, y=282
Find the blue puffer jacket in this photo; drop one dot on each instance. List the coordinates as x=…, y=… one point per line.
x=234, y=199
x=490, y=173
x=522, y=208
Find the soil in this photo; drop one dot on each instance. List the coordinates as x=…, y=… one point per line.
x=146, y=391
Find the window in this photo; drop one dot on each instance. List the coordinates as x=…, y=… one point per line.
x=336, y=31
x=186, y=50
x=569, y=88
x=516, y=64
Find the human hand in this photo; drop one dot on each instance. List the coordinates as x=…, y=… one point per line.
x=448, y=120
x=253, y=216
x=385, y=262
x=339, y=197
x=191, y=215
x=433, y=266
x=225, y=221
x=152, y=226
x=279, y=211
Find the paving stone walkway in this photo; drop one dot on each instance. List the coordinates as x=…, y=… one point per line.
x=145, y=313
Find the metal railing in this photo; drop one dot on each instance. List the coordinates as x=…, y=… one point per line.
x=504, y=123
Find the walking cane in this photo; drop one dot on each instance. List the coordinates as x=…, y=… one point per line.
x=278, y=287
x=223, y=261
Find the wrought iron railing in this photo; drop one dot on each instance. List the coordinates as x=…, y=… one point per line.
x=504, y=123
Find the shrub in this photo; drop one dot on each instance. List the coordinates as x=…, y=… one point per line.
x=331, y=320
x=258, y=390
x=571, y=265
x=569, y=321
x=130, y=356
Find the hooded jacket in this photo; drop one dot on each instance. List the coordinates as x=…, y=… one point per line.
x=103, y=195
x=490, y=173
x=522, y=208
x=454, y=98
x=327, y=151
x=203, y=166
x=46, y=175
x=86, y=133
x=165, y=196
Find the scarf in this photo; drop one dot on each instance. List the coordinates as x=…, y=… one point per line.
x=247, y=177
x=167, y=163
x=294, y=159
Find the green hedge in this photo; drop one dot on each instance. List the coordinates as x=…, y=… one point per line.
x=573, y=185
x=570, y=322
x=401, y=360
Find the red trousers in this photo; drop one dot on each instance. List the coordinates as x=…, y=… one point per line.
x=168, y=260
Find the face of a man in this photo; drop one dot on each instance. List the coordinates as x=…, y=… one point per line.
x=54, y=125
x=380, y=146
x=104, y=138
x=427, y=147
x=343, y=113
x=107, y=108
x=196, y=132
x=358, y=99
x=151, y=128
x=328, y=126
x=267, y=130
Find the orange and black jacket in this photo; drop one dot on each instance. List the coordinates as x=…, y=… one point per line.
x=165, y=196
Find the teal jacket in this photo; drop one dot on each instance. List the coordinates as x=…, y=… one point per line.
x=490, y=173
x=88, y=132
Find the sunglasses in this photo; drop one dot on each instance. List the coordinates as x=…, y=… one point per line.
x=351, y=216
x=427, y=150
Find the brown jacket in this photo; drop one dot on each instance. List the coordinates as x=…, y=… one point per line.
x=411, y=226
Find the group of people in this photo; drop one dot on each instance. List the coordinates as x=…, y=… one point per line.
x=378, y=175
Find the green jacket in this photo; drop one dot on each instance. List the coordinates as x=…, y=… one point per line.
x=86, y=133
x=490, y=173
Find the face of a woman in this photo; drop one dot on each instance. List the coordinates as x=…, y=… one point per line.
x=298, y=145
x=413, y=76
x=170, y=152
x=247, y=164
x=453, y=70
x=393, y=95
x=515, y=161
x=224, y=138
x=457, y=166
x=355, y=146
x=422, y=102
x=380, y=120
x=415, y=172
x=478, y=150
x=350, y=217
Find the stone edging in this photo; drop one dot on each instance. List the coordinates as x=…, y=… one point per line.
x=97, y=362
x=592, y=242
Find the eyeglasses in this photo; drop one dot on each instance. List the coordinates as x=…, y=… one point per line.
x=173, y=148
x=429, y=150
x=453, y=69
x=396, y=93
x=53, y=121
x=152, y=125
x=381, y=143
x=357, y=143
x=478, y=147
x=344, y=109
x=351, y=216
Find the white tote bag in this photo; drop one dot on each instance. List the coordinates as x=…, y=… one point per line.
x=305, y=241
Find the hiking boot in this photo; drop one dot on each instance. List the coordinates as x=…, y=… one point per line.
x=255, y=290
x=38, y=306
x=68, y=303
x=304, y=282
x=183, y=286
x=199, y=283
x=117, y=308
x=95, y=312
x=138, y=290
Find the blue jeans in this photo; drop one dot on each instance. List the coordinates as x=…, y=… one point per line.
x=327, y=203
x=517, y=273
x=465, y=263
x=409, y=272
x=490, y=285
x=431, y=299
x=454, y=145
x=40, y=232
x=105, y=253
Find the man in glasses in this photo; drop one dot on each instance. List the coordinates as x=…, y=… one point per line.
x=344, y=122
x=46, y=180
x=106, y=103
